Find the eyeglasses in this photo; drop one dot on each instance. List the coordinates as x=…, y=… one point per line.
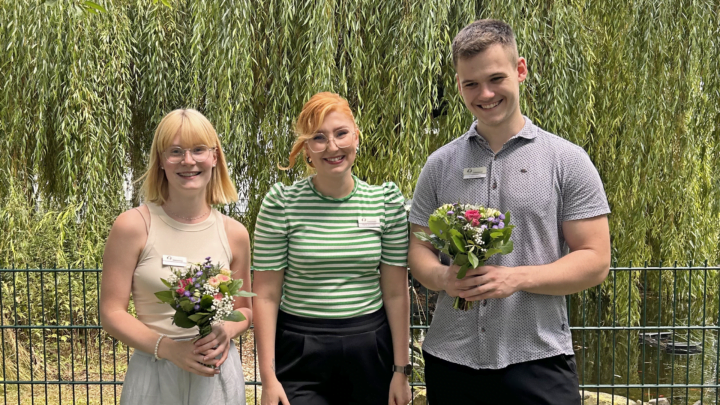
x=319, y=142
x=176, y=154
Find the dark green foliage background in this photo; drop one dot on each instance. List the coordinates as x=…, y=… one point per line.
x=633, y=82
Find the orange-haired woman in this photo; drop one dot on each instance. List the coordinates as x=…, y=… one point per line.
x=332, y=303
x=187, y=173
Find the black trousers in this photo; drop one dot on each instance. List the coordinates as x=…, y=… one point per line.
x=334, y=361
x=552, y=380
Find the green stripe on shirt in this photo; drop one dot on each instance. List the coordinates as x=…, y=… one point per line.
x=331, y=263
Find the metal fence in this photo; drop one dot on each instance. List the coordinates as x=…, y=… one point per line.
x=648, y=332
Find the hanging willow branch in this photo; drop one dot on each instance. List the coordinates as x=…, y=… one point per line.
x=635, y=83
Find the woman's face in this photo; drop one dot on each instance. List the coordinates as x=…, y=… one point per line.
x=188, y=169
x=338, y=135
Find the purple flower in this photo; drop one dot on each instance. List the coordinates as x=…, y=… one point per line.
x=462, y=217
x=491, y=219
x=197, y=307
x=207, y=258
x=192, y=280
x=501, y=225
x=483, y=227
x=199, y=273
x=207, y=266
x=188, y=293
x=450, y=212
x=502, y=216
x=197, y=285
x=494, y=227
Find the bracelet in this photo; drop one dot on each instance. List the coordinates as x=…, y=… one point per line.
x=157, y=344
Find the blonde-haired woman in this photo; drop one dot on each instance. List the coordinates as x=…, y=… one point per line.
x=187, y=174
x=332, y=302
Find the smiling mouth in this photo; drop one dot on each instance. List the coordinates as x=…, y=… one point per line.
x=189, y=174
x=335, y=160
x=489, y=106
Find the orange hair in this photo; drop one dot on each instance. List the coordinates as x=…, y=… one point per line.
x=311, y=118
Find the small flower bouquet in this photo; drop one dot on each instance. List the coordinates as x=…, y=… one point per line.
x=469, y=234
x=202, y=295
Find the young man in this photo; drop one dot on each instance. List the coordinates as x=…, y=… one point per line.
x=514, y=346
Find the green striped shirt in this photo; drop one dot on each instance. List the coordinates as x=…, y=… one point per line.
x=331, y=248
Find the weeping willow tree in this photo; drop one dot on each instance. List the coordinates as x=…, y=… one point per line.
x=633, y=82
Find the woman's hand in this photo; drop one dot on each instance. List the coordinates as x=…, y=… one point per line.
x=273, y=393
x=399, y=390
x=183, y=355
x=214, y=344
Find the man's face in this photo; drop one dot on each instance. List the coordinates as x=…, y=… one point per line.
x=489, y=83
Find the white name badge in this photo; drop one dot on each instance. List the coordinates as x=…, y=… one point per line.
x=368, y=222
x=474, y=172
x=178, y=261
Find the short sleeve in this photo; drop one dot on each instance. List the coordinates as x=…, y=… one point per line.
x=425, y=200
x=271, y=242
x=583, y=195
x=395, y=233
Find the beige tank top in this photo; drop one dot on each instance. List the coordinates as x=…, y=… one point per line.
x=166, y=236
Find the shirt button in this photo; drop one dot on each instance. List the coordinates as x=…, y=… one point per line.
x=482, y=329
x=484, y=303
x=494, y=184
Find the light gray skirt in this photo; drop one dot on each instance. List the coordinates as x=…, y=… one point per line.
x=162, y=382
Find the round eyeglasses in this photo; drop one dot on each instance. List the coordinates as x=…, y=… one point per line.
x=176, y=154
x=319, y=142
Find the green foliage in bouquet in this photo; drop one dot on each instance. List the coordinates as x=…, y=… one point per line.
x=201, y=295
x=469, y=234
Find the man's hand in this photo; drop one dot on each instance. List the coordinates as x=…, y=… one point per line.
x=487, y=282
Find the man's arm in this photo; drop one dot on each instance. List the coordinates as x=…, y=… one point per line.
x=587, y=265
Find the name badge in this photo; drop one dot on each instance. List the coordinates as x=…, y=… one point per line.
x=474, y=172
x=178, y=261
x=368, y=222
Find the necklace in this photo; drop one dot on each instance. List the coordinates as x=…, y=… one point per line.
x=185, y=218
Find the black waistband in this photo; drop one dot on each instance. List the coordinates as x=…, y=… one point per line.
x=332, y=326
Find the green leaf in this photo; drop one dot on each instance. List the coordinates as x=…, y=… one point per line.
x=506, y=248
x=165, y=296
x=439, y=227
x=459, y=243
x=463, y=270
x=455, y=232
x=186, y=304
x=235, y=316
x=206, y=301
x=95, y=6
x=474, y=262
x=243, y=293
x=181, y=319
x=461, y=260
x=422, y=236
x=167, y=283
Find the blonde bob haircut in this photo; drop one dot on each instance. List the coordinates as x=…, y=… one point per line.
x=194, y=129
x=311, y=118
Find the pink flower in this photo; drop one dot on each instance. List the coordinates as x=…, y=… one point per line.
x=213, y=281
x=185, y=282
x=475, y=222
x=218, y=296
x=222, y=278
x=471, y=215
x=180, y=291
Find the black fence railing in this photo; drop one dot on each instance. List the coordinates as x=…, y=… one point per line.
x=646, y=333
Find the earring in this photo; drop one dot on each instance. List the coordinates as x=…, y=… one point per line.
x=214, y=165
x=308, y=160
x=162, y=168
x=357, y=150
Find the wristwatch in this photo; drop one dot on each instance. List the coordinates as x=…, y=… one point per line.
x=406, y=369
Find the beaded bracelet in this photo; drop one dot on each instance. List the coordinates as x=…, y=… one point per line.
x=157, y=344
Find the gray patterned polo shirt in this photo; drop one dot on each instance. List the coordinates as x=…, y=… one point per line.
x=543, y=180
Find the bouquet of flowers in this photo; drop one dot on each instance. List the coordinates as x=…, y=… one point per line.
x=202, y=295
x=469, y=234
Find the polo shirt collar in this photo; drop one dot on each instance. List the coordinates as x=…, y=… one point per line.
x=528, y=131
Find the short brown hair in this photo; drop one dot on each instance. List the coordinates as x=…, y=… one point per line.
x=478, y=36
